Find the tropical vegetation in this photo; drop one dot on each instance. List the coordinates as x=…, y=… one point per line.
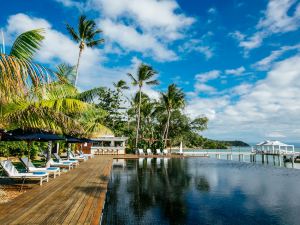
x=33, y=97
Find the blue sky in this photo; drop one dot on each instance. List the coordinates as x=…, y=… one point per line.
x=238, y=61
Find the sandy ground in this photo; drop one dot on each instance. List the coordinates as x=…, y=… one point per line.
x=9, y=189
x=9, y=192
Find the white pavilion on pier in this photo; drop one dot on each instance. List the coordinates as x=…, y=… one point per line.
x=274, y=147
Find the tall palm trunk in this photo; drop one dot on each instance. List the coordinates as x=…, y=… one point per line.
x=166, y=132
x=49, y=150
x=81, y=46
x=139, y=117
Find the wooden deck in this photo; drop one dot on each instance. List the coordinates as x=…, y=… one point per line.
x=76, y=197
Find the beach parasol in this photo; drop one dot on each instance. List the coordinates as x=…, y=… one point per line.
x=32, y=135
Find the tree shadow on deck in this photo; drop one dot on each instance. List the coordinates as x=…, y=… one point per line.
x=11, y=184
x=92, y=190
x=104, y=178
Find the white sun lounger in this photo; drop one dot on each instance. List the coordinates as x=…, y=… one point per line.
x=66, y=165
x=165, y=152
x=79, y=158
x=86, y=155
x=31, y=168
x=73, y=161
x=13, y=173
x=158, y=152
x=149, y=152
x=141, y=152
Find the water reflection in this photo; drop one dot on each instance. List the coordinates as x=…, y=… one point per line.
x=201, y=191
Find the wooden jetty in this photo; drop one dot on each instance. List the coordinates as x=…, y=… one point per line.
x=76, y=197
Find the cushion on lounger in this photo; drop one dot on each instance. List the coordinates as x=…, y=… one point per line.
x=39, y=173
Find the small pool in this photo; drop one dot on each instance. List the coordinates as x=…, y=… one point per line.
x=201, y=191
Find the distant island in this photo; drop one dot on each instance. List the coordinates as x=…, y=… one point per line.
x=196, y=141
x=236, y=143
x=215, y=144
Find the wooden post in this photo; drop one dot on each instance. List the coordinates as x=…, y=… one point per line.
x=241, y=157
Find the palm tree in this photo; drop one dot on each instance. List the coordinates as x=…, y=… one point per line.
x=173, y=99
x=17, y=71
x=120, y=85
x=84, y=36
x=67, y=72
x=145, y=74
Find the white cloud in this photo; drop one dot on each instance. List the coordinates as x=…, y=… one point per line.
x=145, y=13
x=197, y=106
x=281, y=16
x=212, y=10
x=267, y=62
x=275, y=134
x=145, y=26
x=200, y=85
x=237, y=35
x=70, y=3
x=253, y=112
x=241, y=89
x=132, y=40
x=237, y=72
x=211, y=75
x=204, y=88
x=194, y=45
x=253, y=41
x=278, y=18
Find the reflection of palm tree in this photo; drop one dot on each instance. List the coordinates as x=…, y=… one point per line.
x=202, y=184
x=163, y=187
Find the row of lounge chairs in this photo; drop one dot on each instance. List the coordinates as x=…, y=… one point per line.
x=149, y=152
x=42, y=174
x=101, y=151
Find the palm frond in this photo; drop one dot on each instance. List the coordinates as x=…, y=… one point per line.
x=121, y=84
x=67, y=72
x=64, y=105
x=152, y=82
x=27, y=44
x=88, y=96
x=81, y=26
x=134, y=81
x=73, y=33
x=28, y=116
x=95, y=43
x=18, y=76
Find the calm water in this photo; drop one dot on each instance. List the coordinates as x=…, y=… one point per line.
x=272, y=161
x=201, y=191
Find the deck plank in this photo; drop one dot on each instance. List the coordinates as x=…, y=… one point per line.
x=73, y=198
